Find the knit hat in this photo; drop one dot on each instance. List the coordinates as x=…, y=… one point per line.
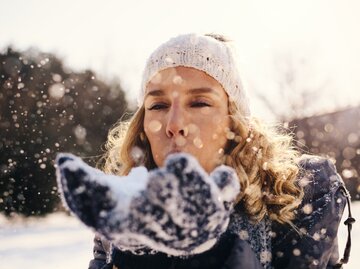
x=205, y=53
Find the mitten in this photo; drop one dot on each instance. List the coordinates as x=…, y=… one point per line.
x=178, y=209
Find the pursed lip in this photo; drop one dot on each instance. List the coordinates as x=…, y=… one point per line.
x=173, y=151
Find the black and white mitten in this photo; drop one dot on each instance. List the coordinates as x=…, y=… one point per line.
x=178, y=209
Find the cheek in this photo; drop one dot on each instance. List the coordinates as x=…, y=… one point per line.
x=214, y=140
x=152, y=125
x=156, y=147
x=216, y=130
x=153, y=137
x=153, y=129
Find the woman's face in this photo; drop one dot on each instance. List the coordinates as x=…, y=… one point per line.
x=186, y=110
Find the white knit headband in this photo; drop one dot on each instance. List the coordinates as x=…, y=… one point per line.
x=205, y=53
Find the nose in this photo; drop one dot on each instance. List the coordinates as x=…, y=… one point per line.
x=176, y=122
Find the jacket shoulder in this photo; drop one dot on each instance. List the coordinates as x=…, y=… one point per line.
x=318, y=176
x=319, y=166
x=317, y=218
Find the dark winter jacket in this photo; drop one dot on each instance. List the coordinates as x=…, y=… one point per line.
x=311, y=243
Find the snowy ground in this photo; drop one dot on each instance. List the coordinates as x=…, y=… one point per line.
x=61, y=242
x=55, y=242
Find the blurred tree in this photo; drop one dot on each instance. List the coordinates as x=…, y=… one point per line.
x=296, y=89
x=44, y=109
x=334, y=135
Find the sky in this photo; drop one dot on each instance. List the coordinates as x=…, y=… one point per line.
x=320, y=38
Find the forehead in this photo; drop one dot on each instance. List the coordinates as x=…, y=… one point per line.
x=183, y=77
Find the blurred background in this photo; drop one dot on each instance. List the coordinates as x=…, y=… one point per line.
x=69, y=70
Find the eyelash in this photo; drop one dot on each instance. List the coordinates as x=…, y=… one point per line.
x=199, y=104
x=158, y=106
x=194, y=104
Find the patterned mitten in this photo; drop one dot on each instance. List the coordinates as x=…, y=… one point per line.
x=178, y=209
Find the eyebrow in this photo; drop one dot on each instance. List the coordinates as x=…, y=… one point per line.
x=159, y=92
x=155, y=93
x=202, y=90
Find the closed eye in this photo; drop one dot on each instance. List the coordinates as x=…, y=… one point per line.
x=158, y=106
x=199, y=104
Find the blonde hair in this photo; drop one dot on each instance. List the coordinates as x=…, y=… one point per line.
x=263, y=157
x=267, y=165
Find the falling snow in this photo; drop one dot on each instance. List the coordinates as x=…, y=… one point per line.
x=43, y=109
x=154, y=126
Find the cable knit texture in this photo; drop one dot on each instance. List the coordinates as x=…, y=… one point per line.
x=257, y=235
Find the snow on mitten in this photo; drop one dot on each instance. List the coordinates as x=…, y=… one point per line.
x=91, y=194
x=227, y=181
x=178, y=209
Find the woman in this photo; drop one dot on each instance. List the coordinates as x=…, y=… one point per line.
x=193, y=117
